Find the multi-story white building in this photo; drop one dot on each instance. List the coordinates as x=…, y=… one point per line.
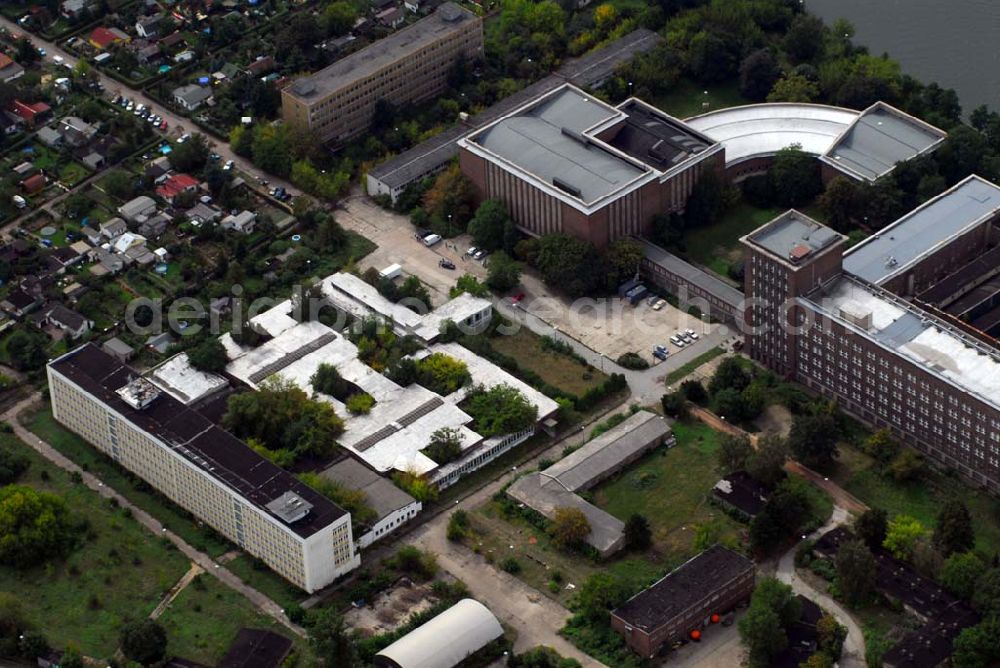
x=265, y=510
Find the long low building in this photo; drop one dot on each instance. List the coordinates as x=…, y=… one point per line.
x=558, y=486
x=691, y=285
x=267, y=511
x=446, y=640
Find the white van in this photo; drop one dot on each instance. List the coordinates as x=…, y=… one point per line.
x=20, y=202
x=58, y=60
x=432, y=239
x=391, y=272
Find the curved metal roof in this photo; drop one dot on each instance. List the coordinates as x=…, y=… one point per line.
x=446, y=640
x=764, y=129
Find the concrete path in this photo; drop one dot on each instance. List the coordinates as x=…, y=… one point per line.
x=263, y=603
x=854, y=645
x=185, y=580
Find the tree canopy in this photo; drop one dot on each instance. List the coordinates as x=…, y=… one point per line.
x=144, y=641
x=208, y=355
x=856, y=572
x=569, y=263
x=34, y=527
x=570, y=527
x=501, y=409
x=953, y=532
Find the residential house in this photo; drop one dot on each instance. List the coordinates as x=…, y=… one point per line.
x=113, y=228
x=261, y=66
x=171, y=40
x=106, y=263
x=94, y=160
x=9, y=70
x=102, y=38
x=175, y=185
x=148, y=26
x=49, y=137
x=243, y=222
x=32, y=114
x=75, y=131
x=65, y=257
x=82, y=248
x=160, y=342
x=126, y=241
x=33, y=184
x=118, y=349
x=19, y=303
x=10, y=124
x=381, y=5
x=137, y=209
x=71, y=9
x=412, y=5
x=191, y=96
x=69, y=321
x=202, y=213
x=149, y=54
x=154, y=226
x=158, y=168
x=24, y=169
x=393, y=17
x=74, y=291
x=139, y=255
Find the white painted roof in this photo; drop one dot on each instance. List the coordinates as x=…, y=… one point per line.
x=446, y=640
x=764, y=129
x=182, y=381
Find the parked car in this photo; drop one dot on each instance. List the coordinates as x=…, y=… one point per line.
x=472, y=251
x=693, y=334
x=516, y=299
x=229, y=165
x=446, y=264
x=432, y=239
x=677, y=341
x=214, y=156
x=184, y=138
x=660, y=303
x=480, y=254
x=660, y=354
x=163, y=125
x=41, y=52
x=422, y=232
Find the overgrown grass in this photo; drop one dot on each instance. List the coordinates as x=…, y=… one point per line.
x=135, y=490
x=260, y=577
x=687, y=98
x=119, y=572
x=686, y=369
x=555, y=368
x=718, y=246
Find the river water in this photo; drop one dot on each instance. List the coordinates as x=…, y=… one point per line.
x=953, y=42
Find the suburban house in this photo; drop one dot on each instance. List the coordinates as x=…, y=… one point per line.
x=175, y=185
x=113, y=228
x=75, y=131
x=33, y=184
x=19, y=303
x=392, y=17
x=70, y=9
x=101, y=38
x=191, y=96
x=32, y=114
x=155, y=225
x=49, y=137
x=243, y=222
x=147, y=26
x=9, y=70
x=118, y=349
x=137, y=209
x=69, y=321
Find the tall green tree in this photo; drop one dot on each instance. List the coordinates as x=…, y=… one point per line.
x=871, y=527
x=960, y=572
x=34, y=527
x=901, y=536
x=569, y=263
x=488, y=225
x=638, y=535
x=978, y=646
x=795, y=175
x=758, y=73
x=856, y=572
x=953, y=532
x=503, y=273
x=144, y=641
x=331, y=644
x=813, y=440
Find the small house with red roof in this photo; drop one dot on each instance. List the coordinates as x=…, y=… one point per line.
x=34, y=184
x=175, y=185
x=102, y=38
x=9, y=70
x=32, y=114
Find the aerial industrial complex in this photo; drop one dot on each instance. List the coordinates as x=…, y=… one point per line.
x=860, y=331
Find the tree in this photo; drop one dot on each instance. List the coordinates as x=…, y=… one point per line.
x=12, y=465
x=191, y=155
x=804, y=39
x=541, y=657
x=328, y=380
x=26, y=349
x=730, y=405
x=503, y=273
x=143, y=641
x=674, y=405
x=729, y=374
x=773, y=607
x=758, y=73
x=978, y=646
x=449, y=201
x=501, y=409
x=638, y=535
x=694, y=391
x=767, y=464
x=34, y=527
x=488, y=224
x=986, y=597
x=119, y=185
x=442, y=374
x=622, y=258
x=208, y=355
x=960, y=572
x=881, y=446
x=570, y=527
x=568, y=263
x=953, y=532
x=339, y=18
x=813, y=440
x=734, y=453
x=871, y=527
x=795, y=175
x=359, y=403
x=445, y=445
x=711, y=57
x=330, y=641
x=845, y=203
x=599, y=594
x=793, y=87
x=902, y=533
x=856, y=572
x=906, y=465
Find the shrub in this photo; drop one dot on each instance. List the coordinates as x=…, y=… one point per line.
x=360, y=404
x=632, y=361
x=511, y=565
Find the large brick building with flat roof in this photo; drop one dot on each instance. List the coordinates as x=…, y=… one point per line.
x=568, y=162
x=408, y=66
x=713, y=582
x=852, y=326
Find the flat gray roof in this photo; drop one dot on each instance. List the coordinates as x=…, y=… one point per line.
x=878, y=139
x=793, y=236
x=593, y=462
x=923, y=230
x=448, y=18
x=380, y=494
x=545, y=141
x=692, y=274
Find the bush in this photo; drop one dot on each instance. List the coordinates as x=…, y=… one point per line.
x=632, y=361
x=414, y=562
x=511, y=565
x=458, y=525
x=360, y=404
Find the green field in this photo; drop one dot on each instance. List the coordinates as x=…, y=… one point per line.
x=75, y=448
x=118, y=573
x=687, y=98
x=718, y=246
x=920, y=498
x=204, y=619
x=265, y=581
x=685, y=370
x=671, y=488
x=555, y=368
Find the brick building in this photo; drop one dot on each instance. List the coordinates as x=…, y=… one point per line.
x=568, y=162
x=408, y=66
x=713, y=582
x=846, y=325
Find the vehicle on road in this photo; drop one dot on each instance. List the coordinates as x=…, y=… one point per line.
x=391, y=272
x=431, y=239
x=129, y=105
x=421, y=232
x=41, y=52
x=19, y=201
x=163, y=125
x=58, y=60
x=677, y=341
x=184, y=137
x=214, y=156
x=446, y=264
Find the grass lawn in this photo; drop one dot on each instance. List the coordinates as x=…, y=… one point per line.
x=670, y=488
x=132, y=488
x=687, y=97
x=266, y=581
x=718, y=246
x=683, y=371
x=921, y=498
x=204, y=619
x=71, y=173
x=118, y=573
x=555, y=368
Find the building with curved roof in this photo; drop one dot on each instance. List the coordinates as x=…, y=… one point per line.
x=761, y=130
x=446, y=640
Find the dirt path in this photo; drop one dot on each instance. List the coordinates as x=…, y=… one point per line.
x=185, y=580
x=263, y=603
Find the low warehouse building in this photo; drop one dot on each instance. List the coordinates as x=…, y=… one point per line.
x=445, y=641
x=557, y=486
x=713, y=582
